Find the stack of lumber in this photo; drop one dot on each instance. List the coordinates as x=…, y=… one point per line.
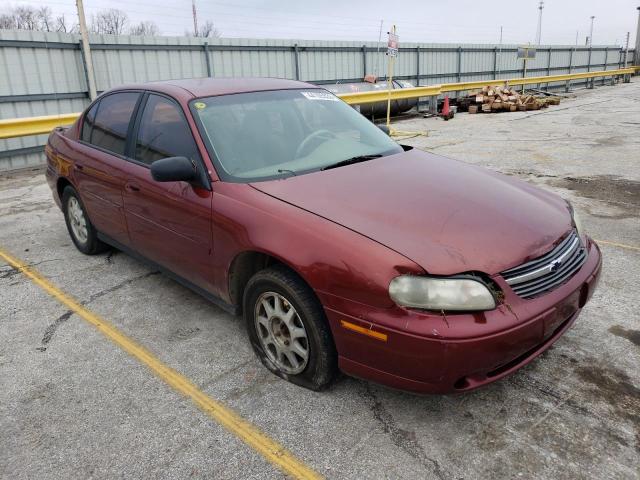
x=503, y=99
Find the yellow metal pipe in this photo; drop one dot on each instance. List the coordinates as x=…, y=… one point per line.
x=357, y=98
x=20, y=127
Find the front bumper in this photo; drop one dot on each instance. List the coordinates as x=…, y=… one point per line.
x=436, y=353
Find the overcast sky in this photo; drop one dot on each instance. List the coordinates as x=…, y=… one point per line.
x=428, y=21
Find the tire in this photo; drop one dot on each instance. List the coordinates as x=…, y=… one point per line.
x=320, y=367
x=81, y=230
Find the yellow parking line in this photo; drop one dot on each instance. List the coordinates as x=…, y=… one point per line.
x=245, y=431
x=621, y=245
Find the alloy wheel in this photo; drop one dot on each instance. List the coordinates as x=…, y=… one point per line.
x=77, y=220
x=281, y=333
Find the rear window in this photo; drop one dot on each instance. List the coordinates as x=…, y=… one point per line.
x=87, y=125
x=107, y=126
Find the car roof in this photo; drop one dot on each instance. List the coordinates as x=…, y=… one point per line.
x=187, y=89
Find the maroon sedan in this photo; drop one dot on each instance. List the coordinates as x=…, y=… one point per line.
x=342, y=249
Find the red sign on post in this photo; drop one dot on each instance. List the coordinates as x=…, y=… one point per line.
x=392, y=45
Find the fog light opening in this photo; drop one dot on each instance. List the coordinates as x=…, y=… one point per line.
x=584, y=296
x=461, y=383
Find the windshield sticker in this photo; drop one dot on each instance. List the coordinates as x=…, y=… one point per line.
x=321, y=96
x=200, y=105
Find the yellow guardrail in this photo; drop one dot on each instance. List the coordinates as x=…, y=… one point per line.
x=20, y=127
x=357, y=98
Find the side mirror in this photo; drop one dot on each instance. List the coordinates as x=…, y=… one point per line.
x=384, y=128
x=173, y=169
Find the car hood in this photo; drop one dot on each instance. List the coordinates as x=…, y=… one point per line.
x=447, y=216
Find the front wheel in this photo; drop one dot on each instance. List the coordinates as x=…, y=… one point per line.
x=288, y=329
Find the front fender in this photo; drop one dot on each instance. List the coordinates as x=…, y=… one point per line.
x=331, y=258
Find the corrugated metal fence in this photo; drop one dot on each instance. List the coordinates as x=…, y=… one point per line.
x=43, y=73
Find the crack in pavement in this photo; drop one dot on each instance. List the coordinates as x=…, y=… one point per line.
x=51, y=329
x=12, y=272
x=403, y=439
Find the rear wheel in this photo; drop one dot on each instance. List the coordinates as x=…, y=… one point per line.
x=288, y=329
x=82, y=232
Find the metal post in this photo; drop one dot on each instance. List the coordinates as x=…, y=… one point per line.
x=498, y=62
x=548, y=68
x=606, y=61
x=626, y=78
x=296, y=61
x=620, y=58
x=589, y=81
x=205, y=49
x=539, y=30
x=495, y=63
x=567, y=85
x=86, y=51
x=459, y=64
x=418, y=75
x=636, y=53
x=418, y=66
x=364, y=60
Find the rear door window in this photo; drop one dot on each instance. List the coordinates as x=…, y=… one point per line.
x=112, y=122
x=87, y=124
x=164, y=132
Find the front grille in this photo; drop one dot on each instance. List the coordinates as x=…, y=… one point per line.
x=548, y=271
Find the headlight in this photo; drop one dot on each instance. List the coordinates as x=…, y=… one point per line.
x=576, y=220
x=441, y=293
x=578, y=223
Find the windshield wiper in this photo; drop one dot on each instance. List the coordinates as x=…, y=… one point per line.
x=349, y=161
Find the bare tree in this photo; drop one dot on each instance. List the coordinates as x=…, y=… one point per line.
x=7, y=22
x=26, y=18
x=205, y=30
x=62, y=25
x=109, y=22
x=44, y=18
x=145, y=28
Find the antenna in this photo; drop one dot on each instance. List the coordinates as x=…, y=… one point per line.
x=539, y=30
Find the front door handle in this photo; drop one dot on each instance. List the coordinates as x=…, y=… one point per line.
x=132, y=187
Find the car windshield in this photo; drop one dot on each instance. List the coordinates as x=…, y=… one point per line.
x=272, y=134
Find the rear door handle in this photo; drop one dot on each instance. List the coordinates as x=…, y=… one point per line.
x=132, y=187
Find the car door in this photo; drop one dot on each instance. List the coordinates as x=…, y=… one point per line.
x=169, y=222
x=100, y=169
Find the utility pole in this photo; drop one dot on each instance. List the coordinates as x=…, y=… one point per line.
x=378, y=51
x=636, y=54
x=539, y=30
x=195, y=18
x=86, y=51
x=577, y=33
x=499, y=52
x=591, y=31
x=626, y=51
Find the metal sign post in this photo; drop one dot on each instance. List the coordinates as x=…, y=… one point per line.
x=392, y=53
x=526, y=53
